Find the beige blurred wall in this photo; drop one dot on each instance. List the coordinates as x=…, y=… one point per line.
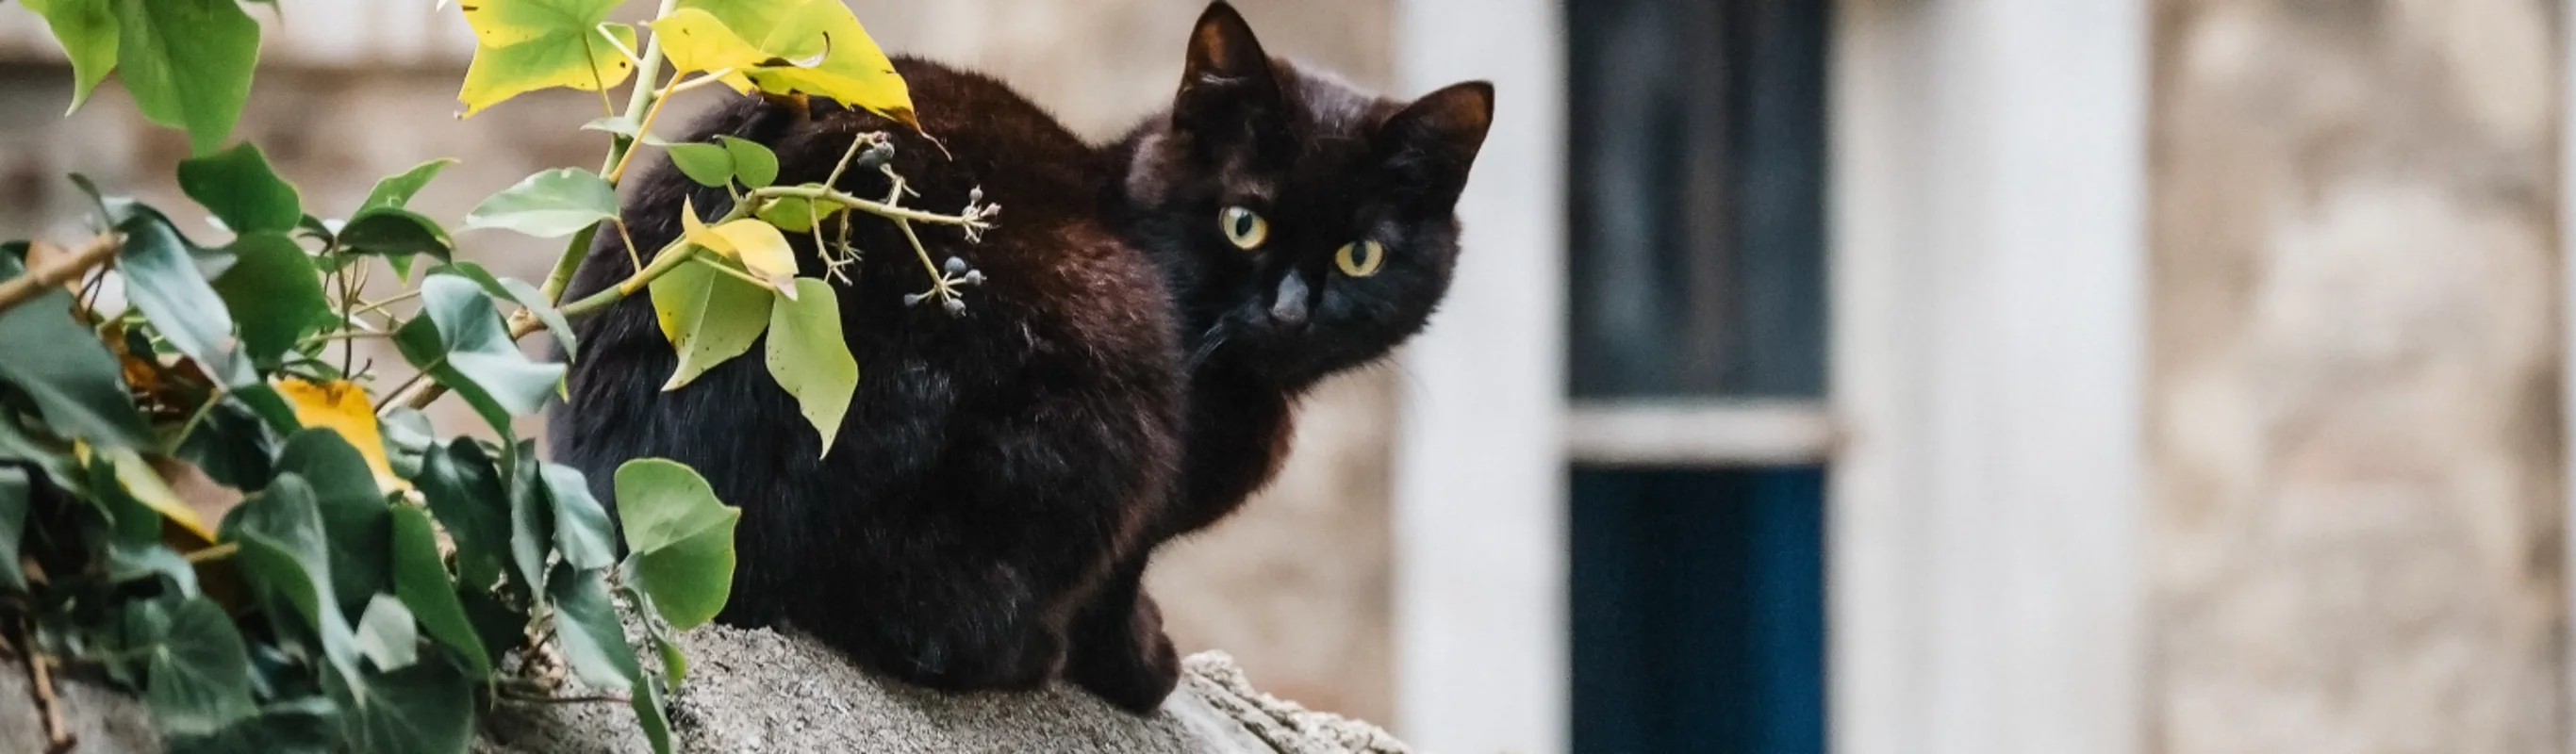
x=1296, y=586
x=2355, y=425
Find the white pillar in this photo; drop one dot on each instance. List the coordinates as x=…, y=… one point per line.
x=1988, y=175
x=1480, y=621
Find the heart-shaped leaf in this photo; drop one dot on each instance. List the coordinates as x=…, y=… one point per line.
x=421, y=581
x=285, y=555
x=461, y=342
x=525, y=295
x=464, y=488
x=273, y=293
x=87, y=31
x=341, y=406
x=238, y=186
x=707, y=164
x=353, y=510
x=753, y=163
x=581, y=526
x=78, y=387
x=187, y=63
x=550, y=204
x=809, y=358
x=709, y=317
x=679, y=539
x=162, y=279
x=761, y=249
x=525, y=45
x=594, y=644
x=791, y=33
x=395, y=232
x=198, y=672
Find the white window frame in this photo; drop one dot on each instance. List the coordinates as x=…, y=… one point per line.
x=1987, y=261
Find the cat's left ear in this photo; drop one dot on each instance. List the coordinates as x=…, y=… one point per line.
x=1436, y=138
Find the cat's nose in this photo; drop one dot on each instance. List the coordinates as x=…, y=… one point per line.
x=1288, y=306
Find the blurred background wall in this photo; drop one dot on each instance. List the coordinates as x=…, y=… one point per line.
x=2356, y=538
x=1976, y=376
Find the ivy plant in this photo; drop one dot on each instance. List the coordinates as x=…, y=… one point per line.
x=378, y=584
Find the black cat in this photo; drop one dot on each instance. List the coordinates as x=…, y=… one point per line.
x=1126, y=373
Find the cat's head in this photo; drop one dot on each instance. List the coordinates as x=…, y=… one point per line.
x=1309, y=227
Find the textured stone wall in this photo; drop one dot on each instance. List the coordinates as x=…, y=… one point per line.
x=2354, y=434
x=1296, y=586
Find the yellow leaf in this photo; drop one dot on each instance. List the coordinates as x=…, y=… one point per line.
x=696, y=41
x=762, y=250
x=341, y=406
x=146, y=485
x=525, y=45
x=790, y=34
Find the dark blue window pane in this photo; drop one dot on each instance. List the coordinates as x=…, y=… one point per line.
x=1697, y=168
x=1698, y=608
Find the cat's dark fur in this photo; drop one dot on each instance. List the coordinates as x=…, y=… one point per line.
x=1125, y=376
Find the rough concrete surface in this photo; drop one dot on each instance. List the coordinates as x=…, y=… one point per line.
x=758, y=691
x=2354, y=433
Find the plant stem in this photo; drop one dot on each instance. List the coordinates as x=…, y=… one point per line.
x=880, y=209
x=28, y=286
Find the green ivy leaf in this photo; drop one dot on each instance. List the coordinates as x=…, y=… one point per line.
x=581, y=526
x=135, y=561
x=427, y=708
x=525, y=295
x=526, y=45
x=809, y=358
x=397, y=190
x=532, y=518
x=16, y=491
x=550, y=204
x=272, y=291
x=239, y=187
x=461, y=342
x=231, y=446
x=387, y=636
x=162, y=279
x=285, y=555
x=198, y=673
x=646, y=699
x=78, y=387
x=395, y=232
x=420, y=580
x=794, y=214
x=464, y=490
x=679, y=540
x=708, y=164
x=594, y=644
x=752, y=162
x=408, y=440
x=710, y=317
x=86, y=29
x=354, y=515
x=188, y=64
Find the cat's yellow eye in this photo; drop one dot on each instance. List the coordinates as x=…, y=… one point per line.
x=1360, y=259
x=1243, y=227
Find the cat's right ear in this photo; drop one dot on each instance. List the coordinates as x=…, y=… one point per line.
x=1227, y=81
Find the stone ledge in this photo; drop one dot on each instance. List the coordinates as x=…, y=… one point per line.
x=759, y=691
